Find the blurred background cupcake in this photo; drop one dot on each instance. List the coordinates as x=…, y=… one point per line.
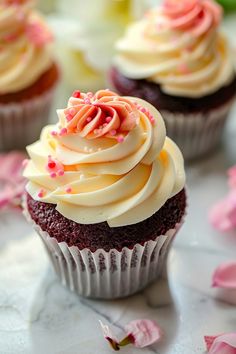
x=86, y=43
x=106, y=193
x=28, y=74
x=178, y=60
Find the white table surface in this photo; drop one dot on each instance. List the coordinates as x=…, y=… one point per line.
x=38, y=315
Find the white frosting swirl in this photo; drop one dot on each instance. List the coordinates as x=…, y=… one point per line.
x=101, y=179
x=179, y=47
x=24, y=51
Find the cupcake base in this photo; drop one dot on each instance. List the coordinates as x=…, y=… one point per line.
x=197, y=134
x=23, y=114
x=115, y=272
x=196, y=125
x=107, y=275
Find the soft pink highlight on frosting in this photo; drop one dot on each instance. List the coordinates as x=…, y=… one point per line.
x=195, y=16
x=101, y=114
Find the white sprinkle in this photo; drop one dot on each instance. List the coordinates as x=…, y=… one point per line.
x=82, y=177
x=86, y=149
x=90, y=150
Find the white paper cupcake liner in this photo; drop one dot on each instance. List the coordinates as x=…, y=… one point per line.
x=107, y=275
x=21, y=123
x=197, y=134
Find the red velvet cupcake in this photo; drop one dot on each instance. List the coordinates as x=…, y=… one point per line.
x=28, y=74
x=176, y=59
x=106, y=193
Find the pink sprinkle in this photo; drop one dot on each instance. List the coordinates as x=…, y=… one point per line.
x=120, y=139
x=68, y=190
x=87, y=101
x=72, y=111
x=143, y=110
x=152, y=119
x=69, y=117
x=104, y=125
x=61, y=173
x=54, y=133
x=108, y=119
x=53, y=175
x=63, y=131
x=41, y=193
x=89, y=119
x=90, y=94
x=113, y=132
x=183, y=68
x=76, y=94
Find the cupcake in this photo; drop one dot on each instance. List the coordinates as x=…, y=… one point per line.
x=106, y=193
x=28, y=74
x=178, y=60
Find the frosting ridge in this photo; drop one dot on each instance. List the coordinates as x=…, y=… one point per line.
x=179, y=47
x=24, y=51
x=95, y=178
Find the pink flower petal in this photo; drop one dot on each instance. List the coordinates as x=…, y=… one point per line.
x=223, y=215
x=225, y=276
x=221, y=344
x=209, y=341
x=144, y=332
x=12, y=182
x=232, y=177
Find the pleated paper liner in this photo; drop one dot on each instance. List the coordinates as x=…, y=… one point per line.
x=107, y=275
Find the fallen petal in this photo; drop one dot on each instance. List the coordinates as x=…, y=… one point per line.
x=209, y=340
x=225, y=276
x=223, y=215
x=221, y=344
x=144, y=332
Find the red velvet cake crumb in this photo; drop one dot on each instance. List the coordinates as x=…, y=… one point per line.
x=100, y=235
x=46, y=81
x=151, y=92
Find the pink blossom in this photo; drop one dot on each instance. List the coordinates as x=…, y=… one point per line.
x=225, y=276
x=11, y=181
x=221, y=344
x=223, y=215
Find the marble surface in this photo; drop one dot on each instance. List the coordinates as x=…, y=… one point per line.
x=38, y=315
